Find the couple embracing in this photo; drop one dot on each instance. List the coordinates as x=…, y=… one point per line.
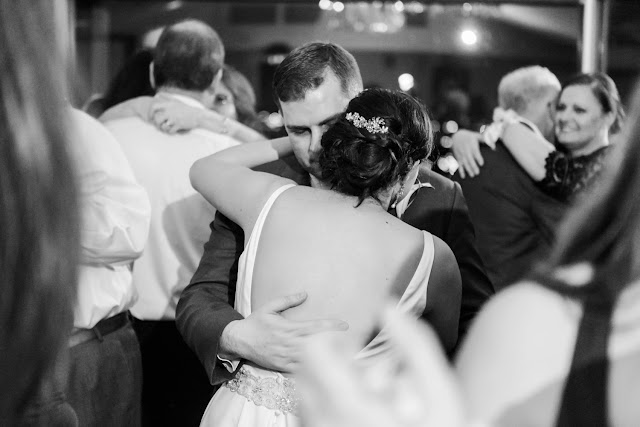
x=333, y=244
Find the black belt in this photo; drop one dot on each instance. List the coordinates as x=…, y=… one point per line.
x=102, y=328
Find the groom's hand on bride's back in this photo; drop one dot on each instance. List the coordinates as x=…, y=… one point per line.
x=268, y=339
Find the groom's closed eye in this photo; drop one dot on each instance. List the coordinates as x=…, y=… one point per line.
x=297, y=131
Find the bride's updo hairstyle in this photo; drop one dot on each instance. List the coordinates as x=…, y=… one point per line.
x=375, y=142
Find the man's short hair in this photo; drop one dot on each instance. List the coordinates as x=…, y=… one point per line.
x=519, y=88
x=188, y=56
x=306, y=68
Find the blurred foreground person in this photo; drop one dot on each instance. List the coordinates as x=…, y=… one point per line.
x=423, y=391
x=38, y=217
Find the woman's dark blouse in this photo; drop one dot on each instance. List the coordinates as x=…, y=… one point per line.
x=566, y=176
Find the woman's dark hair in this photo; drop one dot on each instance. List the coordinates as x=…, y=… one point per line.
x=604, y=229
x=604, y=89
x=362, y=163
x=131, y=81
x=244, y=98
x=39, y=218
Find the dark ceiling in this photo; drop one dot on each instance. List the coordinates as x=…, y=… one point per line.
x=623, y=23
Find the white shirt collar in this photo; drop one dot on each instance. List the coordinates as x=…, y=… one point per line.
x=502, y=118
x=186, y=100
x=402, y=206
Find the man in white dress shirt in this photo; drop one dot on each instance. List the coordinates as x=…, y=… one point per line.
x=187, y=66
x=105, y=377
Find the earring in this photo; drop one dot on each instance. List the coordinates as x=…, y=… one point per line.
x=398, y=196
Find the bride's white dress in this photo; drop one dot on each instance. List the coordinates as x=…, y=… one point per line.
x=258, y=397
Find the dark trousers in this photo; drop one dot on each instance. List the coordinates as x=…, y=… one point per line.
x=105, y=379
x=49, y=407
x=176, y=390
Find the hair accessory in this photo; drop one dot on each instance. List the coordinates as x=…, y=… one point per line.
x=373, y=125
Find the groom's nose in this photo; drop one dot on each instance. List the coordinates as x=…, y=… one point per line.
x=316, y=138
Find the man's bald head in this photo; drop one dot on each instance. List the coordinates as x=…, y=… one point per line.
x=188, y=56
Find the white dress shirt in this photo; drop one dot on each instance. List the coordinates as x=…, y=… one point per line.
x=115, y=214
x=180, y=216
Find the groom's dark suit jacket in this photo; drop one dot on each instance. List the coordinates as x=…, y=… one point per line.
x=206, y=305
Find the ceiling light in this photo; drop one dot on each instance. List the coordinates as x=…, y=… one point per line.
x=406, y=82
x=173, y=5
x=325, y=4
x=451, y=127
x=469, y=37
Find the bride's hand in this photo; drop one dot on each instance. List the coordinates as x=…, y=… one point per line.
x=423, y=393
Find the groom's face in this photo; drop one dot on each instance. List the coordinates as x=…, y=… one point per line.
x=306, y=120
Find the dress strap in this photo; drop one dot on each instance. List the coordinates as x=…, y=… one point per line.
x=247, y=259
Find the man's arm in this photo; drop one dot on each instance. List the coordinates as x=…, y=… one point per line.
x=205, y=307
x=173, y=116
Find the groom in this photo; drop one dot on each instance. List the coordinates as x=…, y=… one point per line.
x=312, y=86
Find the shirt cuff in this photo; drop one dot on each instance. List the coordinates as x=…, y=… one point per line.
x=230, y=365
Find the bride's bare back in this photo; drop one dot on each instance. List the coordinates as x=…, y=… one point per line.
x=350, y=260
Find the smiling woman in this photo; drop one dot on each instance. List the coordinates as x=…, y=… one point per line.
x=587, y=112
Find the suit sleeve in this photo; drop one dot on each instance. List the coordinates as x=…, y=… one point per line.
x=205, y=307
x=476, y=286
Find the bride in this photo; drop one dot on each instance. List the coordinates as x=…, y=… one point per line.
x=337, y=243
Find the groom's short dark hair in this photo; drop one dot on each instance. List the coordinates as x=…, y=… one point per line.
x=306, y=67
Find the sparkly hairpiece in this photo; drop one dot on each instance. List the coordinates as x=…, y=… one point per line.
x=373, y=125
